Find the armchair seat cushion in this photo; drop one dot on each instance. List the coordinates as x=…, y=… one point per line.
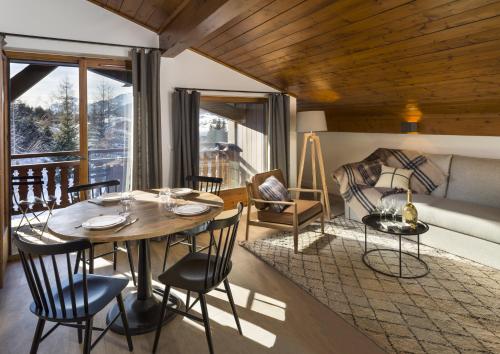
x=306, y=209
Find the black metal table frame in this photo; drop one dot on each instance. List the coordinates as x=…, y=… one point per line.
x=143, y=306
x=417, y=257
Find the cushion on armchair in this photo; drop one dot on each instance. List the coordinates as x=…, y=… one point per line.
x=260, y=178
x=273, y=190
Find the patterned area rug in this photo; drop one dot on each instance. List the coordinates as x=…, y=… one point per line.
x=454, y=309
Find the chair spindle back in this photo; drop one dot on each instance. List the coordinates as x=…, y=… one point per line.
x=46, y=286
x=92, y=190
x=205, y=183
x=222, y=239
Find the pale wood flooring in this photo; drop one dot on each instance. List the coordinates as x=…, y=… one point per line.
x=277, y=316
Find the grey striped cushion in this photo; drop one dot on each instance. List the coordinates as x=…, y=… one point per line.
x=272, y=189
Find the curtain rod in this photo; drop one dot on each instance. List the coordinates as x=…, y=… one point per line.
x=216, y=90
x=7, y=34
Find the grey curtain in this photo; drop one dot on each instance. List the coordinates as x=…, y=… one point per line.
x=279, y=133
x=146, y=169
x=186, y=135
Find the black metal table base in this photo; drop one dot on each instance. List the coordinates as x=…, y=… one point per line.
x=400, y=275
x=143, y=306
x=142, y=315
x=401, y=252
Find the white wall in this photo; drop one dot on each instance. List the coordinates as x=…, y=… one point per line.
x=342, y=148
x=192, y=70
x=73, y=19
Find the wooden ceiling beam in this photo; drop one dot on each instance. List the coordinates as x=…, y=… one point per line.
x=197, y=20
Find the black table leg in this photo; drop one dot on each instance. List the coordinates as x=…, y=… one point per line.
x=366, y=247
x=142, y=306
x=418, y=246
x=400, y=270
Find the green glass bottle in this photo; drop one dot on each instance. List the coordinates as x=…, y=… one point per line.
x=409, y=212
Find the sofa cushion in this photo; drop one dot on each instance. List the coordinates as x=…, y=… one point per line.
x=475, y=180
x=306, y=209
x=395, y=178
x=467, y=218
x=443, y=162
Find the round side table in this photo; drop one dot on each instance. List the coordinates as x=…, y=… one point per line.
x=373, y=221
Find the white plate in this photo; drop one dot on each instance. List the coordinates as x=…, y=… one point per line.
x=104, y=222
x=110, y=197
x=191, y=209
x=181, y=192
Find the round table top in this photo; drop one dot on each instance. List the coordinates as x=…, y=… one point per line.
x=373, y=220
x=153, y=219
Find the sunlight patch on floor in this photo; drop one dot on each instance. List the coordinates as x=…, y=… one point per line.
x=240, y=295
x=268, y=306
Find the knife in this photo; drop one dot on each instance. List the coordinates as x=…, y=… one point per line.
x=125, y=225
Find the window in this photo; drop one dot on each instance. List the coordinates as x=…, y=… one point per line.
x=110, y=107
x=44, y=111
x=53, y=136
x=233, y=138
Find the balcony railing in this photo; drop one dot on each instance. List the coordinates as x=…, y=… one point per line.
x=58, y=176
x=228, y=164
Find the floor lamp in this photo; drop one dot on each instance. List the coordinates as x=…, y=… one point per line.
x=309, y=123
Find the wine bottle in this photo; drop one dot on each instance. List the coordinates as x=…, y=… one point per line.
x=409, y=212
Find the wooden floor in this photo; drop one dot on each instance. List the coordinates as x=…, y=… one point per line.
x=277, y=316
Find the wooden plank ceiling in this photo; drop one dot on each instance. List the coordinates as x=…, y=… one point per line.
x=371, y=64
x=152, y=14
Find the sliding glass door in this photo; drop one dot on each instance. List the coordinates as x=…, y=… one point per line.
x=70, y=122
x=109, y=112
x=233, y=138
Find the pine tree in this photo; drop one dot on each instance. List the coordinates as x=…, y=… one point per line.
x=100, y=115
x=66, y=139
x=24, y=127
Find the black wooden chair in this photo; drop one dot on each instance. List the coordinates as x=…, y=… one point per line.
x=203, y=272
x=38, y=206
x=90, y=191
x=67, y=299
x=205, y=183
x=188, y=237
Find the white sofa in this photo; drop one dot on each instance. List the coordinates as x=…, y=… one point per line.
x=464, y=212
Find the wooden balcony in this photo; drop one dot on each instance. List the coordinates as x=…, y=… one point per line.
x=57, y=176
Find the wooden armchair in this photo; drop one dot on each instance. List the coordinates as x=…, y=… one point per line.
x=298, y=214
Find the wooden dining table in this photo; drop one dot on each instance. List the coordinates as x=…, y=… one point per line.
x=154, y=220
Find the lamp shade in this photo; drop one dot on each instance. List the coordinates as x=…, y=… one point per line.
x=311, y=121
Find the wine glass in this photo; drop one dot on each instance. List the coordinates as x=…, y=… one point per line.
x=392, y=209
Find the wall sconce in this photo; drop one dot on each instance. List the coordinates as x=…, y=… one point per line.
x=409, y=127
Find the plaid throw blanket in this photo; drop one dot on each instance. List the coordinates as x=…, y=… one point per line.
x=356, y=180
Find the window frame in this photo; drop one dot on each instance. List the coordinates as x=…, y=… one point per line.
x=83, y=64
x=244, y=99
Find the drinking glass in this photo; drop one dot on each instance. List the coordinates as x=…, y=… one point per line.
x=168, y=198
x=163, y=194
x=125, y=201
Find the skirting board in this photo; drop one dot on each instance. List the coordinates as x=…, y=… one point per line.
x=469, y=247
